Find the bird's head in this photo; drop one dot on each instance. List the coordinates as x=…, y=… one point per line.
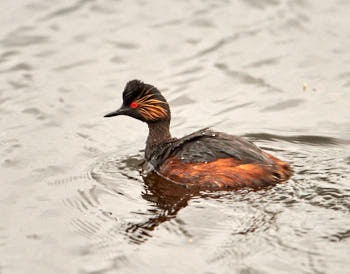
x=143, y=102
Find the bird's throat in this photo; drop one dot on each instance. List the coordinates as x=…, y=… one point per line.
x=158, y=133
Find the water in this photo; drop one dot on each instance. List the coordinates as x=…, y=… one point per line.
x=73, y=200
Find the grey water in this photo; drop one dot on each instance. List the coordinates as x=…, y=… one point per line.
x=72, y=198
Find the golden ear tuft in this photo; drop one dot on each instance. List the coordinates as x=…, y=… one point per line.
x=151, y=108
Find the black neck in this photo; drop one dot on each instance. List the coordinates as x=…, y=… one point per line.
x=158, y=133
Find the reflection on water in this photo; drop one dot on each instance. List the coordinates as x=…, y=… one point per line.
x=73, y=198
x=166, y=199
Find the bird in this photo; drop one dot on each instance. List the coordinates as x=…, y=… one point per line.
x=205, y=159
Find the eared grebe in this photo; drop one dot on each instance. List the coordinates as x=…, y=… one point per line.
x=205, y=158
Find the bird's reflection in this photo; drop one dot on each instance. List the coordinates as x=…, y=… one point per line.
x=166, y=199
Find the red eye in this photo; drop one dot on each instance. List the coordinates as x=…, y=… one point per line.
x=133, y=105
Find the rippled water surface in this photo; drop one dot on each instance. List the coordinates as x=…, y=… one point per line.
x=72, y=198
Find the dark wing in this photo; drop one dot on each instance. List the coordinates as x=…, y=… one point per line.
x=206, y=146
x=210, y=146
